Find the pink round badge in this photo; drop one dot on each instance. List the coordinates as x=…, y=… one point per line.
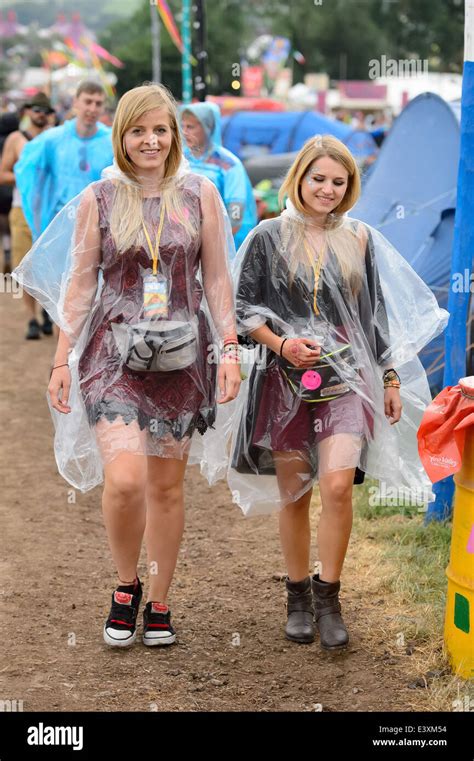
x=311, y=380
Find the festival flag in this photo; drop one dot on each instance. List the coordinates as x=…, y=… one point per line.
x=55, y=58
x=109, y=89
x=166, y=16
x=163, y=9
x=103, y=53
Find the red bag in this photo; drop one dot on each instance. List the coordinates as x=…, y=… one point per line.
x=442, y=431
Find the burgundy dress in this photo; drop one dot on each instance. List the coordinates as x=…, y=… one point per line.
x=163, y=403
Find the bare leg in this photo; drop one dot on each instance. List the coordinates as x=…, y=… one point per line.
x=164, y=522
x=123, y=509
x=335, y=487
x=123, y=498
x=295, y=533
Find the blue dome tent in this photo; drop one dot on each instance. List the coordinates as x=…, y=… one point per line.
x=410, y=196
x=255, y=133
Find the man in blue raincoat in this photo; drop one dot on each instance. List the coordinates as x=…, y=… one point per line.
x=62, y=161
x=201, y=128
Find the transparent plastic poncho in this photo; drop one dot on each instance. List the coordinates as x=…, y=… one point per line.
x=344, y=286
x=88, y=271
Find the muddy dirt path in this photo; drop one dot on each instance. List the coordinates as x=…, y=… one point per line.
x=228, y=609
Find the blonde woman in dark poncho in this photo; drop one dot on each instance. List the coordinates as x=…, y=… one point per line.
x=336, y=390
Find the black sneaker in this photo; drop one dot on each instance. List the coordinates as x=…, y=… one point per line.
x=34, y=330
x=120, y=627
x=157, y=629
x=47, y=326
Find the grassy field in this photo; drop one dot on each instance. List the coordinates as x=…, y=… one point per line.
x=405, y=562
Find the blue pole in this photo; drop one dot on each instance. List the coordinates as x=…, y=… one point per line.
x=186, y=57
x=463, y=253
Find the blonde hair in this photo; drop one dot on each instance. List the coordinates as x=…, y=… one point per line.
x=314, y=149
x=126, y=217
x=345, y=242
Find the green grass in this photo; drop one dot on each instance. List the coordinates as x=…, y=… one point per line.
x=406, y=563
x=416, y=554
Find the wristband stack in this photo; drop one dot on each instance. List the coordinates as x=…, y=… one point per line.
x=391, y=379
x=231, y=351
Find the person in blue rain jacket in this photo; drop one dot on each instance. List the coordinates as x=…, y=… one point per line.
x=201, y=128
x=62, y=161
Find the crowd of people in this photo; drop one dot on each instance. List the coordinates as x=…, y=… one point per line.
x=132, y=245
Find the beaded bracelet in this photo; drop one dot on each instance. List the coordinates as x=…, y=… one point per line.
x=231, y=348
x=230, y=355
x=230, y=359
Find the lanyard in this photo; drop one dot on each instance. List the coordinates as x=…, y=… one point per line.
x=316, y=269
x=154, y=252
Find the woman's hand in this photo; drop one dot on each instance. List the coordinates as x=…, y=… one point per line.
x=60, y=381
x=301, y=352
x=393, y=405
x=229, y=380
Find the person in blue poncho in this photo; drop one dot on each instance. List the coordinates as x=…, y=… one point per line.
x=201, y=127
x=60, y=163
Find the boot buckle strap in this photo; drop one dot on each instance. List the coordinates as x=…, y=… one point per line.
x=303, y=606
x=324, y=611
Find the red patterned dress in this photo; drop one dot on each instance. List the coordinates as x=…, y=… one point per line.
x=162, y=403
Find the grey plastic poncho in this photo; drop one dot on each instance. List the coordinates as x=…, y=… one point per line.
x=345, y=287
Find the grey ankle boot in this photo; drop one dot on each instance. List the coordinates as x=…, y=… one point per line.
x=327, y=614
x=300, y=624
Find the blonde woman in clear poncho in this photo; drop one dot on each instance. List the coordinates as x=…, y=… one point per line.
x=135, y=272
x=336, y=390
